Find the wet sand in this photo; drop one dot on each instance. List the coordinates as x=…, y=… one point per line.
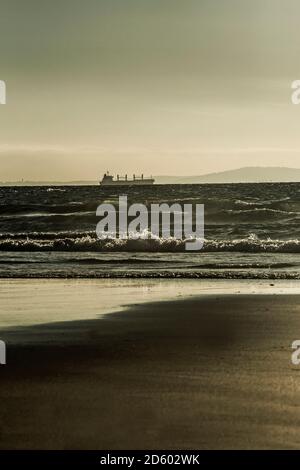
x=205, y=372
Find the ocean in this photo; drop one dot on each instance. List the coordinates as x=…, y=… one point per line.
x=252, y=231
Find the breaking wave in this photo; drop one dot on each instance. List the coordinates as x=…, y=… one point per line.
x=88, y=242
x=247, y=274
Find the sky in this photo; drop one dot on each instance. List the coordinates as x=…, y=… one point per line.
x=162, y=87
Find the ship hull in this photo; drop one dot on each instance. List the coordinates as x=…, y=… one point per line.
x=128, y=183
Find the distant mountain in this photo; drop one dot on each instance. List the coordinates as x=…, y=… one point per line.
x=249, y=174
x=240, y=175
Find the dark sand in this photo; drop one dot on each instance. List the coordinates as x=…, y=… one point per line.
x=201, y=373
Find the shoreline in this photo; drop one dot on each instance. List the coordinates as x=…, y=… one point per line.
x=59, y=300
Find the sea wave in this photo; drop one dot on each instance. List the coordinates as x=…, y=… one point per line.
x=247, y=274
x=88, y=242
x=259, y=202
x=58, y=215
x=261, y=212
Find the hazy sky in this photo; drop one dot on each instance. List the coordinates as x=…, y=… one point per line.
x=154, y=86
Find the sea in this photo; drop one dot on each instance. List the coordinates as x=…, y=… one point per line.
x=252, y=231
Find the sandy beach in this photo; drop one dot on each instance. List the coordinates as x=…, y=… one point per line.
x=207, y=371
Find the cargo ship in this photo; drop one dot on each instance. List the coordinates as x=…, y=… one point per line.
x=108, y=180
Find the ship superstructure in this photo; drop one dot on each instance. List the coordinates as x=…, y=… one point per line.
x=109, y=180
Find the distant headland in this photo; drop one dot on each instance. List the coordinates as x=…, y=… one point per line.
x=239, y=175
